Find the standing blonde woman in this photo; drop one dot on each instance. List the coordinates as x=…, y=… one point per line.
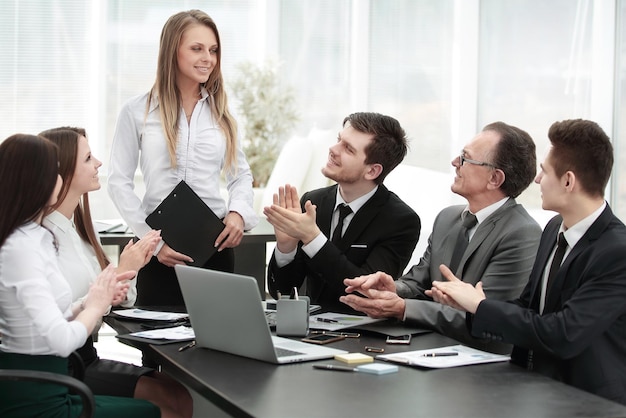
x=182, y=129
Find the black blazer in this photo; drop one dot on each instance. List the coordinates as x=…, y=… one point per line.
x=581, y=336
x=380, y=237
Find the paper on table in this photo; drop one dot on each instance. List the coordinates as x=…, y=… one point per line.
x=465, y=357
x=150, y=315
x=180, y=333
x=331, y=321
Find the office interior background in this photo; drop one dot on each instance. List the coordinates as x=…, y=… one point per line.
x=443, y=68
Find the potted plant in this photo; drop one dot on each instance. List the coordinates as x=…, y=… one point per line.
x=266, y=114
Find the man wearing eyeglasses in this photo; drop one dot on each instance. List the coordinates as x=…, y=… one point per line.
x=491, y=171
x=569, y=322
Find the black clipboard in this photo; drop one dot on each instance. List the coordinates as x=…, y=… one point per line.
x=187, y=224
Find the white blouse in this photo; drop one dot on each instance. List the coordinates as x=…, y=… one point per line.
x=35, y=299
x=77, y=258
x=200, y=158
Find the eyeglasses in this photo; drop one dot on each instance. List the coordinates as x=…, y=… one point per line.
x=463, y=159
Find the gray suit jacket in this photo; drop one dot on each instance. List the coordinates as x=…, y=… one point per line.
x=500, y=254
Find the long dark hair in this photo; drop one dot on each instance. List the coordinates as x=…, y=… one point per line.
x=66, y=138
x=28, y=174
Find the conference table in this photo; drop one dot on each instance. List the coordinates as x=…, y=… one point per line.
x=250, y=255
x=244, y=387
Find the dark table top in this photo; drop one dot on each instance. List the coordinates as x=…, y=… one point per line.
x=246, y=387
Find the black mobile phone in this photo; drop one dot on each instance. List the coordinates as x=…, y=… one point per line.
x=402, y=339
x=322, y=338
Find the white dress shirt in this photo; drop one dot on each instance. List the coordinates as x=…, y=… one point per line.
x=77, y=259
x=35, y=299
x=200, y=158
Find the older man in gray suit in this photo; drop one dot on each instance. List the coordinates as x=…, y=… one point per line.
x=492, y=238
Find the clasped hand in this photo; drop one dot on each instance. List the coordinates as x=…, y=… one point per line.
x=380, y=299
x=456, y=293
x=291, y=225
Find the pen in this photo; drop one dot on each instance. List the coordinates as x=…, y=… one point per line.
x=190, y=345
x=333, y=367
x=337, y=334
x=112, y=228
x=440, y=354
x=374, y=349
x=330, y=321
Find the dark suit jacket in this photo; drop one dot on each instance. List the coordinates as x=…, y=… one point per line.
x=380, y=237
x=581, y=336
x=501, y=255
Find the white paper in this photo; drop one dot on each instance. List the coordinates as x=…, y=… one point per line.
x=337, y=321
x=150, y=315
x=178, y=333
x=465, y=356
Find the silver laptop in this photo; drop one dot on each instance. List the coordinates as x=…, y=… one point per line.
x=227, y=314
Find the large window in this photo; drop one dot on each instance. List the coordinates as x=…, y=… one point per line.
x=444, y=68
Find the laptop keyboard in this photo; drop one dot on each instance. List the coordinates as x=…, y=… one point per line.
x=283, y=352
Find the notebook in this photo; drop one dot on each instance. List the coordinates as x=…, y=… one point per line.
x=227, y=314
x=187, y=224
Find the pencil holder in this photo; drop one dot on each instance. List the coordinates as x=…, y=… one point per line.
x=292, y=317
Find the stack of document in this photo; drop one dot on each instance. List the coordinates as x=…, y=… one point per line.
x=168, y=328
x=142, y=314
x=179, y=333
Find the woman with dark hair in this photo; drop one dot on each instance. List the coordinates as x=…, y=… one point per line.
x=40, y=325
x=182, y=129
x=81, y=257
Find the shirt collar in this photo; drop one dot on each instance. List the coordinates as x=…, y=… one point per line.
x=357, y=203
x=484, y=213
x=59, y=220
x=576, y=232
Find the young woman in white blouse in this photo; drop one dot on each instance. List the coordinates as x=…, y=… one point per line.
x=182, y=129
x=39, y=324
x=81, y=257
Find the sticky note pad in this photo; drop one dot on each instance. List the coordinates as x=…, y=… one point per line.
x=377, y=368
x=354, y=358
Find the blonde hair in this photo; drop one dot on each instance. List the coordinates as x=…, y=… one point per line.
x=168, y=94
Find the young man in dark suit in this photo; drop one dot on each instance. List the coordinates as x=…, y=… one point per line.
x=570, y=321
x=496, y=166
x=378, y=231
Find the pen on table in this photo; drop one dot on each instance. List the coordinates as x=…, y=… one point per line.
x=440, y=354
x=370, y=349
x=337, y=334
x=113, y=228
x=330, y=321
x=333, y=367
x=185, y=347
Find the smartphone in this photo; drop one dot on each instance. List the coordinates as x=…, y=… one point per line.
x=322, y=338
x=402, y=339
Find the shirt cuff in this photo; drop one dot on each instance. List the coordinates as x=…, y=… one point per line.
x=313, y=247
x=282, y=259
x=158, y=248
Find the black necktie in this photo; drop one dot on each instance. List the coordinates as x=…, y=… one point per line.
x=344, y=210
x=556, y=261
x=462, y=240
